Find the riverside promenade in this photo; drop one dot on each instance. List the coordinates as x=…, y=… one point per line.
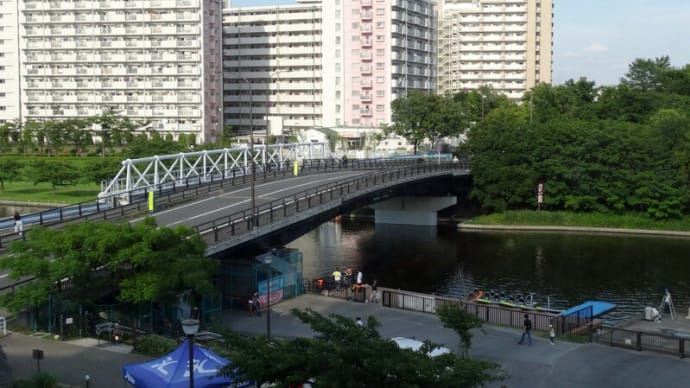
x=540, y=365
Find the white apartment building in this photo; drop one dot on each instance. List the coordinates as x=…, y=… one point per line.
x=154, y=61
x=279, y=67
x=9, y=62
x=325, y=63
x=504, y=44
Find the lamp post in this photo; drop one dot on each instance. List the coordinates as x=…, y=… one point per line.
x=190, y=327
x=268, y=260
x=251, y=152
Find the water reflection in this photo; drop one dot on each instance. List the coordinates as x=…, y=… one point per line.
x=567, y=268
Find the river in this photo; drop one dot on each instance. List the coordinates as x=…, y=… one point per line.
x=565, y=269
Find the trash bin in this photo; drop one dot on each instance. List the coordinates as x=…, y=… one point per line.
x=359, y=293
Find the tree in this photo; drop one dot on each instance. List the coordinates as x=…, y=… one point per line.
x=141, y=263
x=342, y=354
x=646, y=74
x=459, y=320
x=56, y=173
x=419, y=116
x=9, y=171
x=101, y=170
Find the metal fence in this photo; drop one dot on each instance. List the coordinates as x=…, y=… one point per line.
x=307, y=202
x=637, y=340
x=580, y=323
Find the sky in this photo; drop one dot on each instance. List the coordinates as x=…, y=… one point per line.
x=598, y=39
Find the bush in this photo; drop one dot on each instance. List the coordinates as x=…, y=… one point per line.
x=40, y=380
x=154, y=345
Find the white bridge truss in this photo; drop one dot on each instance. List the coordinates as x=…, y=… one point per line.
x=190, y=168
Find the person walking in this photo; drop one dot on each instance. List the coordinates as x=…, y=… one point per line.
x=18, y=223
x=374, y=295
x=527, y=324
x=552, y=334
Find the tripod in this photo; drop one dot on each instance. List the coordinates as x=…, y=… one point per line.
x=668, y=301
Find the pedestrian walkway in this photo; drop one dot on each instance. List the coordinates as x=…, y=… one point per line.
x=561, y=365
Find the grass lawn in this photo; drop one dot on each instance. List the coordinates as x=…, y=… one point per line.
x=28, y=192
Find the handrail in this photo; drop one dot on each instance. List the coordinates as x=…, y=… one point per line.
x=100, y=210
x=241, y=221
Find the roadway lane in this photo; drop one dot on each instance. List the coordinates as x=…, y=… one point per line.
x=208, y=209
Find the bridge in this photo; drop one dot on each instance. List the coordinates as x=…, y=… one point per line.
x=215, y=193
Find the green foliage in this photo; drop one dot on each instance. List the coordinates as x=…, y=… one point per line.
x=144, y=146
x=420, y=116
x=154, y=345
x=615, y=149
x=9, y=171
x=459, y=320
x=40, y=380
x=57, y=173
x=139, y=263
x=103, y=169
x=343, y=354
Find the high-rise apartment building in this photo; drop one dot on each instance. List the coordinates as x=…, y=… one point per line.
x=388, y=48
x=504, y=44
x=156, y=61
x=9, y=62
x=330, y=63
x=273, y=67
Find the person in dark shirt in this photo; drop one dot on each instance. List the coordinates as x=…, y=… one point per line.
x=527, y=332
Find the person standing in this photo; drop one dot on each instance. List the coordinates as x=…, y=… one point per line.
x=18, y=223
x=527, y=324
x=552, y=334
x=360, y=277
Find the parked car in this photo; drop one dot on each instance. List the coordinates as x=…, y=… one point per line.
x=415, y=345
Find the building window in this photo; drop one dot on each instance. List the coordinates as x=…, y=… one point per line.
x=380, y=93
x=380, y=80
x=379, y=38
x=380, y=108
x=380, y=24
x=380, y=11
x=380, y=52
x=380, y=65
x=355, y=107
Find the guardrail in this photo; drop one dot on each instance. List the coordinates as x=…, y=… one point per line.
x=173, y=193
x=638, y=340
x=225, y=228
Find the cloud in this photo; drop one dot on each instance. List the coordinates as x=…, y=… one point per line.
x=596, y=48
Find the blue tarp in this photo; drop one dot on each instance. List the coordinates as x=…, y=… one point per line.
x=172, y=370
x=598, y=308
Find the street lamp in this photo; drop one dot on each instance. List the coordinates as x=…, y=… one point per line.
x=268, y=260
x=190, y=327
x=251, y=152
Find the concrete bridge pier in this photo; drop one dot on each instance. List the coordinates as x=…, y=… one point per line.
x=408, y=210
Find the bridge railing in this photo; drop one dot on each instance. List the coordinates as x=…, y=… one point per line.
x=179, y=191
x=239, y=223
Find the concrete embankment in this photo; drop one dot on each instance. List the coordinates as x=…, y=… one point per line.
x=572, y=229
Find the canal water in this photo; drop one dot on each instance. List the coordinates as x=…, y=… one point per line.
x=561, y=269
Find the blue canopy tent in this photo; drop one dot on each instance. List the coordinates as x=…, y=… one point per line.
x=172, y=370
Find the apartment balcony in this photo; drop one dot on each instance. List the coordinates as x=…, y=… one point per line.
x=365, y=69
x=365, y=15
x=365, y=83
x=365, y=3
x=365, y=28
x=365, y=55
x=366, y=42
x=366, y=111
x=366, y=97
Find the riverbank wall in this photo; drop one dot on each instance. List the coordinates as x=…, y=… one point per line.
x=467, y=227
